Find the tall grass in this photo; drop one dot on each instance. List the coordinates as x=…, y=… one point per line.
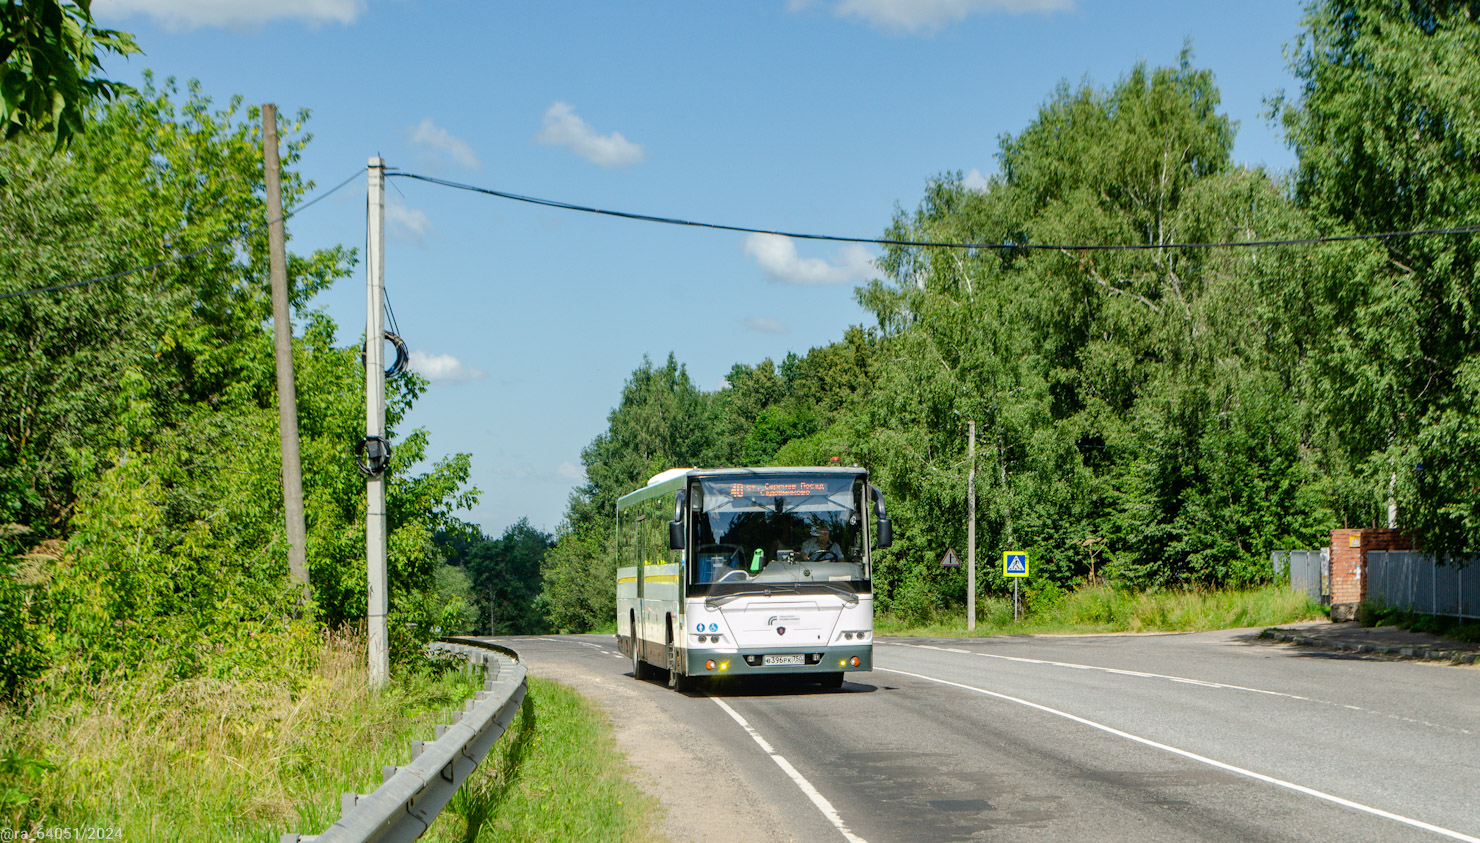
x=207, y=760
x=210, y=760
x=556, y=775
x=1104, y=609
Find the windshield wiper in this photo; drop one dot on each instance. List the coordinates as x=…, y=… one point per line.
x=846, y=592
x=717, y=599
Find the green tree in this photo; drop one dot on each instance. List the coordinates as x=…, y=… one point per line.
x=795, y=413
x=1128, y=398
x=662, y=421
x=138, y=426
x=504, y=577
x=103, y=368
x=749, y=392
x=1387, y=129
x=47, y=51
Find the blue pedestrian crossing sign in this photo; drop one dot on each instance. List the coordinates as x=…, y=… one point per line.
x=1015, y=563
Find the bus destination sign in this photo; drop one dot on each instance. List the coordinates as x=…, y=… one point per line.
x=777, y=489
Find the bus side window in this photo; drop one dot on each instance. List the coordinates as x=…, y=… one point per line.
x=671, y=502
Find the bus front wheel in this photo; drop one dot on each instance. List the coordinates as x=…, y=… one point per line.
x=676, y=680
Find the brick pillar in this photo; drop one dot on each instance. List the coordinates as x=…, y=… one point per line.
x=1349, y=566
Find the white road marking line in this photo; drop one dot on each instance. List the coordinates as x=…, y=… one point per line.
x=801, y=781
x=1308, y=791
x=1182, y=679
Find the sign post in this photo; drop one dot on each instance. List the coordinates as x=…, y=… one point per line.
x=950, y=560
x=1015, y=567
x=971, y=526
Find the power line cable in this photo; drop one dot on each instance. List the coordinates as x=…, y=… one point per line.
x=393, y=336
x=177, y=258
x=884, y=241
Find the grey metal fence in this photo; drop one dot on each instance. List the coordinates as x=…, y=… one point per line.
x=1405, y=579
x=403, y=808
x=1309, y=570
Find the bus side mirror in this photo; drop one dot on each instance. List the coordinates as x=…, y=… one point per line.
x=675, y=535
x=886, y=529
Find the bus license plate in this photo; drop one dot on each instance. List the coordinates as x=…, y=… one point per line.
x=776, y=660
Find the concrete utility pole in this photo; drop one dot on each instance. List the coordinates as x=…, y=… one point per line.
x=282, y=334
x=971, y=525
x=375, y=522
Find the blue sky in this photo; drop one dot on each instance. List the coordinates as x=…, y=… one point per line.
x=821, y=116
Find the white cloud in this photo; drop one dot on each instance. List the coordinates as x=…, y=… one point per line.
x=924, y=16
x=563, y=127
x=442, y=143
x=778, y=257
x=764, y=325
x=570, y=471
x=974, y=180
x=231, y=14
x=442, y=368
x=407, y=225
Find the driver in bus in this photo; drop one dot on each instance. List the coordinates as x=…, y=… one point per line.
x=821, y=547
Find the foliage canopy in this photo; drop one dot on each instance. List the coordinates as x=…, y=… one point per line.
x=1162, y=418
x=138, y=433
x=48, y=48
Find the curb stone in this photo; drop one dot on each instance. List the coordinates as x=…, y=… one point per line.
x=1424, y=653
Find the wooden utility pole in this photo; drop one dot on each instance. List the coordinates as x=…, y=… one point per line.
x=375, y=521
x=971, y=525
x=282, y=334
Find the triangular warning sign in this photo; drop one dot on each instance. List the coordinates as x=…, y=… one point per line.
x=1015, y=564
x=950, y=558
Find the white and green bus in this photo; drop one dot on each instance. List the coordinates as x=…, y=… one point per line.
x=739, y=571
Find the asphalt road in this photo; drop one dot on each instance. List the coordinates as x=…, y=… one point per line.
x=1207, y=736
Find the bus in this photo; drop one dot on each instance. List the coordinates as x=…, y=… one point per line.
x=743, y=571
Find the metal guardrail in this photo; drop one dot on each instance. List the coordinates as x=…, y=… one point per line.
x=403, y=808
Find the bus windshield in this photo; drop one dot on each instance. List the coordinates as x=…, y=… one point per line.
x=780, y=530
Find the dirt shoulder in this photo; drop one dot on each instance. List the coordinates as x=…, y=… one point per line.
x=664, y=755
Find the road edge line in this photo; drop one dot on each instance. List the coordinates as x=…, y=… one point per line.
x=1298, y=788
x=811, y=792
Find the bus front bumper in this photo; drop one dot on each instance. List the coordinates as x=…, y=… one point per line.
x=756, y=662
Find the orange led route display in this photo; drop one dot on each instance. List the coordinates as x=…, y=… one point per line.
x=775, y=489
